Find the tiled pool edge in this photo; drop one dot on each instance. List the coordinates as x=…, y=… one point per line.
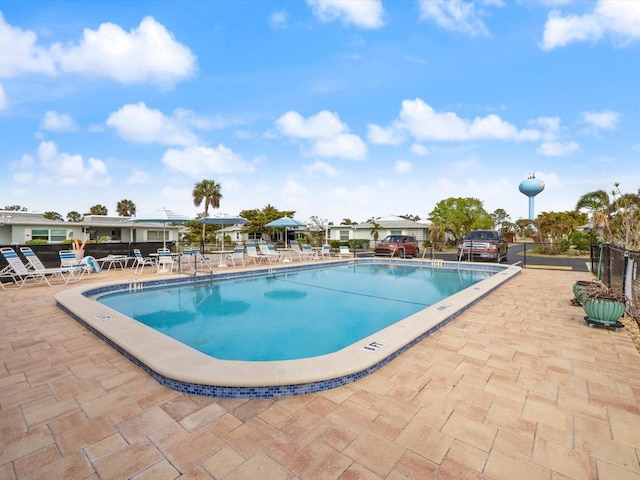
x=272, y=391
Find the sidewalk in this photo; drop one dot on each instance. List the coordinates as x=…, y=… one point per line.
x=516, y=387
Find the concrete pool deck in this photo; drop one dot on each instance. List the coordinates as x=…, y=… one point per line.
x=189, y=371
x=517, y=386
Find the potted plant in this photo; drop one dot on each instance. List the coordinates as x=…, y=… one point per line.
x=582, y=288
x=604, y=307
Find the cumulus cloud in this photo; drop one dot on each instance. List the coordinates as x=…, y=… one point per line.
x=322, y=168
x=423, y=122
x=141, y=124
x=419, y=149
x=596, y=121
x=146, y=54
x=20, y=54
x=457, y=15
x=385, y=136
x=57, y=122
x=68, y=169
x=618, y=19
x=198, y=161
x=402, y=166
x=363, y=13
x=138, y=177
x=326, y=132
x=557, y=149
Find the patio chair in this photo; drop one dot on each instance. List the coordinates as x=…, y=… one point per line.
x=141, y=261
x=344, y=251
x=20, y=275
x=237, y=255
x=252, y=253
x=64, y=273
x=269, y=251
x=309, y=252
x=325, y=252
x=296, y=250
x=165, y=261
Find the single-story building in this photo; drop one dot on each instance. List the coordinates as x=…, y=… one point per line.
x=389, y=225
x=18, y=228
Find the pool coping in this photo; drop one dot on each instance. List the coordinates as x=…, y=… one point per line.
x=187, y=370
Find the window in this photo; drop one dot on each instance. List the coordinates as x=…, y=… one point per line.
x=40, y=234
x=156, y=235
x=395, y=232
x=344, y=235
x=58, y=235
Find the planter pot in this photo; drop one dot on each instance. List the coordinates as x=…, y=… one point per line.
x=79, y=254
x=582, y=289
x=603, y=311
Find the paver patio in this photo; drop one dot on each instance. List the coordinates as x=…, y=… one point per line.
x=518, y=386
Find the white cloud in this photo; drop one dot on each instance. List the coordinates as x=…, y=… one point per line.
x=419, y=150
x=20, y=54
x=3, y=99
x=456, y=15
x=292, y=188
x=618, y=19
x=322, y=168
x=557, y=149
x=361, y=13
x=278, y=19
x=402, y=166
x=329, y=136
x=596, y=121
x=146, y=54
x=385, y=136
x=57, y=122
x=141, y=124
x=138, y=177
x=197, y=161
x=424, y=123
x=67, y=169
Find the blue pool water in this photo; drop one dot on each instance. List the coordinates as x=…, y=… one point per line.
x=290, y=315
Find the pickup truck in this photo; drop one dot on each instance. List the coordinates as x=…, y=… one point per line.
x=483, y=244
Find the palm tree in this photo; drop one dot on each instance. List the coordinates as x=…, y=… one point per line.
x=126, y=208
x=74, y=216
x=600, y=207
x=375, y=231
x=207, y=191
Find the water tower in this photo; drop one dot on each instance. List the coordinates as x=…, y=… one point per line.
x=531, y=187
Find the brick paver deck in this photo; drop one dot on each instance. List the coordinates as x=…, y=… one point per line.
x=517, y=387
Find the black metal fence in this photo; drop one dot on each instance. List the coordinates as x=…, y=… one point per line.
x=617, y=268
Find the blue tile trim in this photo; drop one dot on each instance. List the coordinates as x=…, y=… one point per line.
x=275, y=391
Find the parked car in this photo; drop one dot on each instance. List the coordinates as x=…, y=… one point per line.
x=397, y=246
x=483, y=244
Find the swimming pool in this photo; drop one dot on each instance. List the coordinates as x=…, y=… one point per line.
x=291, y=315
x=188, y=370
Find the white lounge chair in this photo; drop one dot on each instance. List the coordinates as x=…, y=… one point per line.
x=269, y=251
x=325, y=252
x=236, y=256
x=310, y=253
x=344, y=252
x=20, y=275
x=64, y=273
x=296, y=250
x=252, y=253
x=141, y=261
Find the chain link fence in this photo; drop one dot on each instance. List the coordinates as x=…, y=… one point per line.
x=617, y=268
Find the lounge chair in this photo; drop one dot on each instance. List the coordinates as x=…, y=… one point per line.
x=141, y=261
x=20, y=275
x=64, y=273
x=237, y=255
x=325, y=252
x=165, y=261
x=269, y=251
x=344, y=252
x=296, y=250
x=309, y=252
x=253, y=254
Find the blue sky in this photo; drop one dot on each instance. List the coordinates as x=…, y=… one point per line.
x=339, y=109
